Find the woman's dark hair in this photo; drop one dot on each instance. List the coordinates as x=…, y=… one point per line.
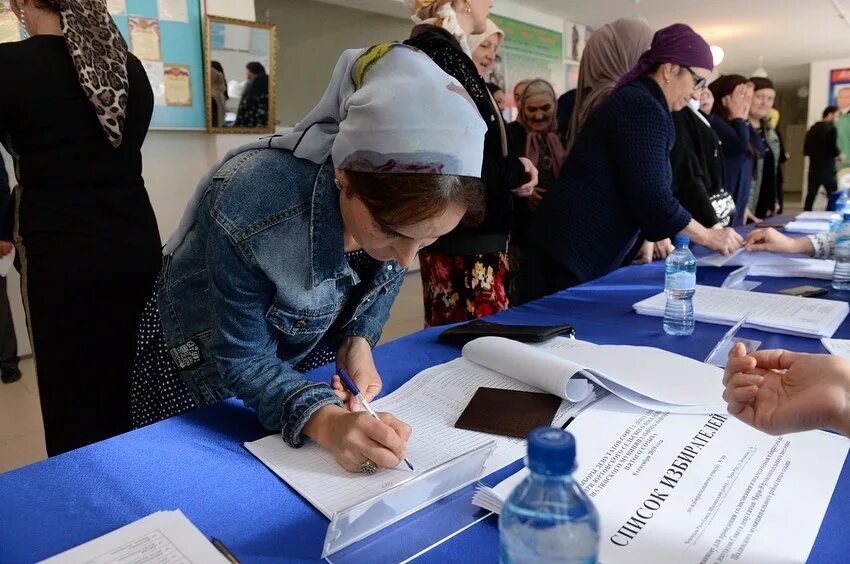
x=217, y=66
x=829, y=110
x=762, y=83
x=255, y=68
x=493, y=88
x=400, y=199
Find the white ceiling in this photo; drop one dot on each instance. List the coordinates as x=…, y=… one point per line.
x=789, y=34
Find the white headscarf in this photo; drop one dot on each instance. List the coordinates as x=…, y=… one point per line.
x=387, y=109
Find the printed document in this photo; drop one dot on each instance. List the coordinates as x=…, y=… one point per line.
x=697, y=488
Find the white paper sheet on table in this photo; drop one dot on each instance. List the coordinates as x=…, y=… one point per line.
x=164, y=536
x=773, y=264
x=742, y=495
x=790, y=315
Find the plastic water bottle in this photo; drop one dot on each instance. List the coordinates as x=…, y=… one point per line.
x=548, y=517
x=680, y=281
x=841, y=274
x=842, y=206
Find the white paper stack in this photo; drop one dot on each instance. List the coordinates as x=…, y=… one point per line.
x=807, y=227
x=817, y=216
x=791, y=315
x=774, y=265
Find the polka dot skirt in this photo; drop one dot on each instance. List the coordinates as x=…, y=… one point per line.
x=158, y=392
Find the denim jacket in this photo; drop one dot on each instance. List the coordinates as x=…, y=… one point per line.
x=258, y=281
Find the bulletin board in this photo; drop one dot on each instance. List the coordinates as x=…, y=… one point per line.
x=166, y=36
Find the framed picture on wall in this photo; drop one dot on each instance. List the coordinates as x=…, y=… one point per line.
x=839, y=88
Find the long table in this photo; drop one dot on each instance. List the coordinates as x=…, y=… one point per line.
x=196, y=462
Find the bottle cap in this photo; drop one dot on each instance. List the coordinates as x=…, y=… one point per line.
x=551, y=451
x=681, y=241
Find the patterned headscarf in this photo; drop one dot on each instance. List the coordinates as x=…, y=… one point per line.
x=612, y=51
x=439, y=13
x=475, y=40
x=100, y=57
x=549, y=138
x=387, y=109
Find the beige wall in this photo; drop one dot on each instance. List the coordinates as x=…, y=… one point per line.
x=311, y=35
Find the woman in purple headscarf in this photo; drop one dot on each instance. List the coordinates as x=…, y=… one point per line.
x=616, y=182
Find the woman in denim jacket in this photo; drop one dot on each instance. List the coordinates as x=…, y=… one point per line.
x=292, y=251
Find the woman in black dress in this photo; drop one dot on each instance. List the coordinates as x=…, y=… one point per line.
x=74, y=115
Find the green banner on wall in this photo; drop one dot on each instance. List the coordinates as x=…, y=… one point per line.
x=530, y=39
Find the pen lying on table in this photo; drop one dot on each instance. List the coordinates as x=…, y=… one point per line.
x=352, y=387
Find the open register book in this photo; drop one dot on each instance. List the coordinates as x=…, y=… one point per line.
x=696, y=489
x=432, y=401
x=791, y=315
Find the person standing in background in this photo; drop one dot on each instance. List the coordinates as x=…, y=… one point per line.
x=519, y=90
x=485, y=47
x=218, y=83
x=697, y=161
x=766, y=193
x=9, y=370
x=821, y=147
x=85, y=232
x=611, y=52
x=498, y=96
x=533, y=135
x=464, y=272
x=615, y=183
x=254, y=105
x=842, y=126
x=742, y=146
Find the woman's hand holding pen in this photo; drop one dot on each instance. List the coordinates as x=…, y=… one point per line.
x=355, y=438
x=355, y=356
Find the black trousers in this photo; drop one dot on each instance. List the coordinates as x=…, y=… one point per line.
x=545, y=275
x=820, y=177
x=8, y=340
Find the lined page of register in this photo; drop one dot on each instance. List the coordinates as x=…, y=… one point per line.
x=430, y=403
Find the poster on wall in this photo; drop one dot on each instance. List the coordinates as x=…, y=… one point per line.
x=528, y=51
x=117, y=7
x=576, y=38
x=178, y=85
x=10, y=30
x=839, y=79
x=173, y=10
x=144, y=38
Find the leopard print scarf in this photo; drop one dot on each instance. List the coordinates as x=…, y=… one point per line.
x=100, y=57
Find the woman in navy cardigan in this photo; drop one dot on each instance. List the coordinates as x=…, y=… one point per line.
x=616, y=182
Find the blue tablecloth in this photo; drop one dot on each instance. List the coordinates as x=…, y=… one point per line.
x=197, y=463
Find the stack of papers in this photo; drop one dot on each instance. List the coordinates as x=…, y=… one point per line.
x=807, y=227
x=690, y=488
x=791, y=315
x=818, y=216
x=838, y=347
x=774, y=265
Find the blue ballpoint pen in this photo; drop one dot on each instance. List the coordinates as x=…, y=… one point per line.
x=352, y=387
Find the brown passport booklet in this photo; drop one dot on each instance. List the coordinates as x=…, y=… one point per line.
x=508, y=412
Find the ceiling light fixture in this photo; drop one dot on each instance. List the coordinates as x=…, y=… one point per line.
x=717, y=54
x=760, y=71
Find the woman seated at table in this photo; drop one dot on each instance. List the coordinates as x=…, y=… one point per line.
x=292, y=251
x=616, y=181
x=820, y=245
